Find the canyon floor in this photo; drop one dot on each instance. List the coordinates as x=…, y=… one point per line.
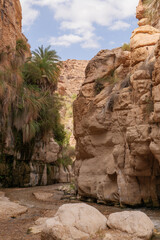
x=17, y=228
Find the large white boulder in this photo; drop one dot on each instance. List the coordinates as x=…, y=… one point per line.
x=74, y=221
x=132, y=222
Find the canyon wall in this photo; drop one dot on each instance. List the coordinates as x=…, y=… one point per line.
x=11, y=25
x=41, y=168
x=117, y=119
x=71, y=78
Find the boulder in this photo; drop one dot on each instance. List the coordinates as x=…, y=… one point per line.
x=43, y=196
x=10, y=209
x=132, y=222
x=74, y=221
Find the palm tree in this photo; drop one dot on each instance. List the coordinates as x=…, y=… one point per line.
x=48, y=63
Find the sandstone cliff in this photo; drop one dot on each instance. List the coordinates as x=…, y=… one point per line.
x=116, y=122
x=148, y=13
x=71, y=78
x=10, y=24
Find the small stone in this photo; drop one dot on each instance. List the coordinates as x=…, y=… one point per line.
x=43, y=196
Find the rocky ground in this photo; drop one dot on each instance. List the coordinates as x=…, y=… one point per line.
x=42, y=202
x=17, y=228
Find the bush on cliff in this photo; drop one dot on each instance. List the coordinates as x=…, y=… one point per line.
x=100, y=82
x=126, y=47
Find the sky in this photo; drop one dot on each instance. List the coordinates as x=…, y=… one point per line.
x=78, y=29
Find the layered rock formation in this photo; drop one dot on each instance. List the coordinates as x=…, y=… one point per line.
x=148, y=13
x=117, y=127
x=71, y=78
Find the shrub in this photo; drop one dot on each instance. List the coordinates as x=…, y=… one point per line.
x=21, y=47
x=67, y=156
x=99, y=82
x=59, y=132
x=98, y=87
x=74, y=96
x=2, y=56
x=126, y=47
x=111, y=101
x=125, y=83
x=31, y=73
x=64, y=161
x=149, y=106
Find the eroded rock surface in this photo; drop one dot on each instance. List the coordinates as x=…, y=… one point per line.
x=148, y=12
x=71, y=77
x=117, y=127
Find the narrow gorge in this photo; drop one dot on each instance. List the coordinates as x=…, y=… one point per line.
x=79, y=139
x=45, y=166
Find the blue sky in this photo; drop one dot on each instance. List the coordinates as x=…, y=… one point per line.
x=78, y=29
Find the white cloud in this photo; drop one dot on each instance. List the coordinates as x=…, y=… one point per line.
x=78, y=18
x=28, y=12
x=119, y=25
x=65, y=40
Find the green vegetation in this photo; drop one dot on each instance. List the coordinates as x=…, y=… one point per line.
x=21, y=47
x=67, y=156
x=149, y=106
x=74, y=96
x=28, y=231
x=29, y=108
x=2, y=56
x=48, y=63
x=125, y=83
x=126, y=47
x=72, y=186
x=99, y=82
x=111, y=101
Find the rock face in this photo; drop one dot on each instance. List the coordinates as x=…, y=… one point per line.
x=71, y=78
x=74, y=221
x=116, y=123
x=148, y=12
x=10, y=24
x=134, y=222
